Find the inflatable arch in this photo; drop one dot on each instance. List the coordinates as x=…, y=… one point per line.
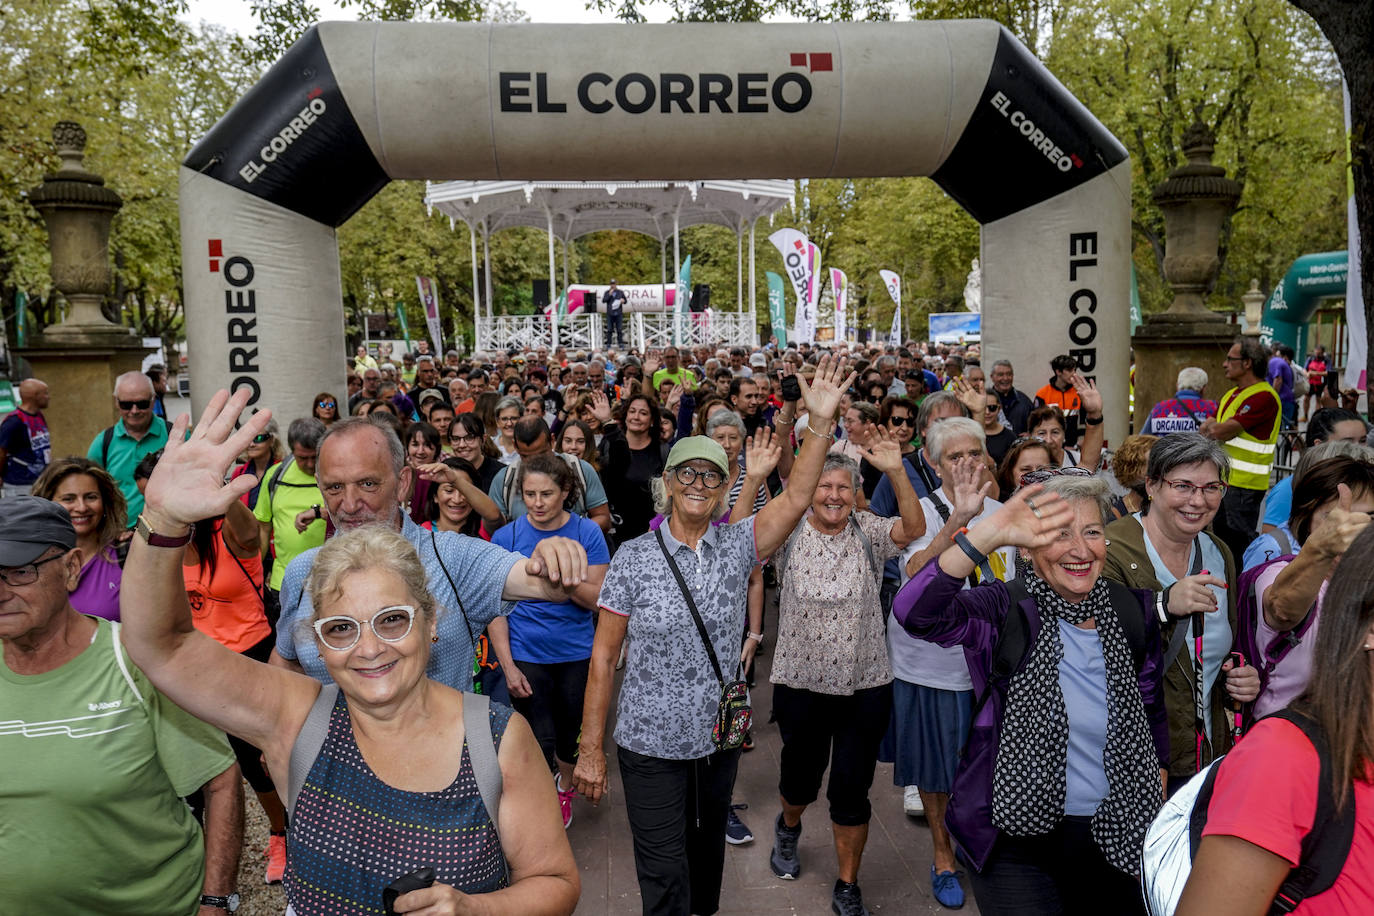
x=1312, y=279
x=352, y=106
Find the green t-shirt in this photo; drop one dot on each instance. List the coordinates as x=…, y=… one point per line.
x=683, y=376
x=125, y=452
x=91, y=786
x=296, y=492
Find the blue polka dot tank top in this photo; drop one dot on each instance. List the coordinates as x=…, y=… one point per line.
x=352, y=834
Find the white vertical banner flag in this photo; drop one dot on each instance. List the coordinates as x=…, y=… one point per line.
x=1356, y=358
x=894, y=289
x=839, y=285
x=796, y=260
x=806, y=323
x=429, y=297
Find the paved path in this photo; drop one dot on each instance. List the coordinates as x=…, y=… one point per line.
x=895, y=875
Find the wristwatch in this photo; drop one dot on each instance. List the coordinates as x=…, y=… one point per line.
x=230, y=903
x=316, y=507
x=154, y=539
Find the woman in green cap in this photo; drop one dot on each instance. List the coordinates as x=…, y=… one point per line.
x=656, y=585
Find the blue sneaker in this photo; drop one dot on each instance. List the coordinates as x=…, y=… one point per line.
x=737, y=833
x=947, y=889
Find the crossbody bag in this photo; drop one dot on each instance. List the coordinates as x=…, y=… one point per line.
x=733, y=712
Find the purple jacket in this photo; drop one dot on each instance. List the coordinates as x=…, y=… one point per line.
x=931, y=606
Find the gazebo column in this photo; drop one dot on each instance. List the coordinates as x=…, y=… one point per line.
x=677, y=273
x=553, y=282
x=753, y=315
x=476, y=294
x=486, y=264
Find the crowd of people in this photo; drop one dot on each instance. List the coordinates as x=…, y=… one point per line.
x=405, y=621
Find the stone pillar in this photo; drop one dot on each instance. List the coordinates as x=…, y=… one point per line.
x=81, y=357
x=1195, y=198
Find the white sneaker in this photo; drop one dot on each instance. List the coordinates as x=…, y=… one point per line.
x=911, y=802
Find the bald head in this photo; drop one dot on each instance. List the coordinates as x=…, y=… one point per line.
x=133, y=385
x=133, y=393
x=33, y=395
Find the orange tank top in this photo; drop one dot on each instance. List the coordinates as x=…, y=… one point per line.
x=228, y=605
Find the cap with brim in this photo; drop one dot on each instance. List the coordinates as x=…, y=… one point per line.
x=758, y=359
x=430, y=394
x=698, y=448
x=30, y=526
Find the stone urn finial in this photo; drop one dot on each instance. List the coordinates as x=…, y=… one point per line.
x=78, y=209
x=1196, y=198
x=1253, y=301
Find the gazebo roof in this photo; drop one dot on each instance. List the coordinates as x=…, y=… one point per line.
x=578, y=208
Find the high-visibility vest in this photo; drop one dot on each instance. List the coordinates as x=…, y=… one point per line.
x=1250, y=457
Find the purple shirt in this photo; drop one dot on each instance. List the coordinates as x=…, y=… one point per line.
x=97, y=592
x=1281, y=377
x=1288, y=678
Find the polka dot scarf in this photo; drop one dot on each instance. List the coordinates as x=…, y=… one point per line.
x=1028, y=781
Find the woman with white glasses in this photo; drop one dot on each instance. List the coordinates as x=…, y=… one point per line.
x=398, y=768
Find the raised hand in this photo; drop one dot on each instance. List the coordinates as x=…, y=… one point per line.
x=822, y=395
x=970, y=486
x=188, y=483
x=1338, y=530
x=1089, y=398
x=969, y=397
x=601, y=407
x=437, y=472
x=762, y=452
x=675, y=396
x=1032, y=518
x=882, y=450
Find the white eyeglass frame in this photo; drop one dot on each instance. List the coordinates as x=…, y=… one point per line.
x=318, y=626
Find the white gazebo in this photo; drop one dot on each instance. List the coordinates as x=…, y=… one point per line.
x=567, y=210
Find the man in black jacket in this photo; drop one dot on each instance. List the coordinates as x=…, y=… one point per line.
x=1016, y=405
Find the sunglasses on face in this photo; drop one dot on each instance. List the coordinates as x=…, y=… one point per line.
x=328, y=405
x=260, y=438
x=903, y=421
x=1048, y=473
x=135, y=405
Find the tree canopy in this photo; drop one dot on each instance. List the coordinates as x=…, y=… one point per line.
x=146, y=87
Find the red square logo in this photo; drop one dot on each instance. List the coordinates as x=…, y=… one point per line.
x=821, y=61
x=216, y=248
x=798, y=60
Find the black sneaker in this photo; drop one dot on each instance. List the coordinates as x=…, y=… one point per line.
x=784, y=861
x=737, y=833
x=847, y=900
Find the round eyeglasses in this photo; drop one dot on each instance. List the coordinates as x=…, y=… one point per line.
x=686, y=474
x=390, y=624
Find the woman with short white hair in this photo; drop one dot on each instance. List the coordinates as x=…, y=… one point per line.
x=932, y=695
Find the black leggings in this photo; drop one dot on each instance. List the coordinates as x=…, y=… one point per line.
x=554, y=707
x=1061, y=872
x=843, y=732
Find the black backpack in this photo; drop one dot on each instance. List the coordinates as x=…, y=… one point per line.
x=1164, y=864
x=1013, y=641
